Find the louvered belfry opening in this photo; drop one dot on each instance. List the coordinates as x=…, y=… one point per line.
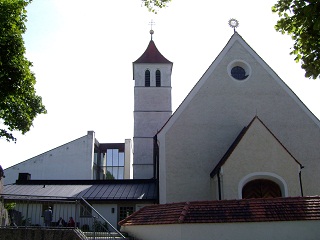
x=261, y=188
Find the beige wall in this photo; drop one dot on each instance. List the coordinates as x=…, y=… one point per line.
x=294, y=230
x=214, y=113
x=259, y=155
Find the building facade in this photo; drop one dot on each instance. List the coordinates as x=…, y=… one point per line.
x=83, y=158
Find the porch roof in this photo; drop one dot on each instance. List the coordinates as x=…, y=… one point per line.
x=106, y=190
x=228, y=211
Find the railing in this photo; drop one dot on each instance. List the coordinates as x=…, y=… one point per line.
x=29, y=211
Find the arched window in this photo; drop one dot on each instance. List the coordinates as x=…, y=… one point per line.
x=147, y=78
x=261, y=188
x=158, y=78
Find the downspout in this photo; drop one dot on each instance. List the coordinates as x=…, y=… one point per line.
x=301, y=189
x=219, y=183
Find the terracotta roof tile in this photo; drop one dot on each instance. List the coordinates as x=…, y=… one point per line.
x=227, y=211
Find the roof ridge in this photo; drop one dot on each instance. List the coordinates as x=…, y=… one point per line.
x=184, y=212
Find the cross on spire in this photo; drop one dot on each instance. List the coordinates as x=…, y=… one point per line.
x=151, y=24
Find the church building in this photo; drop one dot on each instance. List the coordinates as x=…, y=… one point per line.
x=241, y=152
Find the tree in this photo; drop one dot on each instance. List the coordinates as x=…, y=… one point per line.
x=153, y=5
x=301, y=20
x=19, y=104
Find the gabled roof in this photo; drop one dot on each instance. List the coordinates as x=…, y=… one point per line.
x=228, y=211
x=152, y=55
x=238, y=140
x=234, y=38
x=106, y=190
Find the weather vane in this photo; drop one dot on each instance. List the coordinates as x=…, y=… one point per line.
x=151, y=24
x=233, y=23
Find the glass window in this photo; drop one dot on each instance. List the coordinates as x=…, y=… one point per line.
x=115, y=164
x=121, y=173
x=238, y=73
x=115, y=172
x=109, y=157
x=121, y=159
x=158, y=78
x=115, y=157
x=147, y=78
x=125, y=211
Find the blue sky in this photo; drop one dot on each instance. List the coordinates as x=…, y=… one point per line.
x=82, y=52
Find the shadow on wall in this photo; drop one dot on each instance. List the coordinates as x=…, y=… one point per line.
x=37, y=234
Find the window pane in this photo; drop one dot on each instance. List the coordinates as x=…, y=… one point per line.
x=158, y=78
x=115, y=172
x=147, y=78
x=109, y=157
x=115, y=157
x=121, y=173
x=121, y=159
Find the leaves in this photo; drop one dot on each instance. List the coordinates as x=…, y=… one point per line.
x=19, y=104
x=301, y=20
x=155, y=5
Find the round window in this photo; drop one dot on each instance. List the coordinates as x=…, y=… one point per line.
x=238, y=73
x=239, y=70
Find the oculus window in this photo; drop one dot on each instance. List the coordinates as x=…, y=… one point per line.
x=239, y=70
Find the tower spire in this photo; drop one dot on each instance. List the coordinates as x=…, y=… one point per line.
x=151, y=30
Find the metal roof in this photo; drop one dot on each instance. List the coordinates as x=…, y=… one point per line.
x=97, y=190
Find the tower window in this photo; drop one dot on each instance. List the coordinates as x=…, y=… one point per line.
x=158, y=78
x=147, y=78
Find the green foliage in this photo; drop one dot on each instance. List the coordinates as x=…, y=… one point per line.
x=109, y=175
x=154, y=5
x=19, y=104
x=301, y=20
x=10, y=206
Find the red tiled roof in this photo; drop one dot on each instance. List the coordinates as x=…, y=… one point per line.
x=228, y=211
x=152, y=55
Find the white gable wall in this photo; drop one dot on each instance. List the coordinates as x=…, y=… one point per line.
x=73, y=160
x=259, y=153
x=225, y=231
x=214, y=113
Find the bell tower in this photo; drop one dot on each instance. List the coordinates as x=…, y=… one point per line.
x=152, y=106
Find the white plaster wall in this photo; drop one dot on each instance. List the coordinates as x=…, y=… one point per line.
x=214, y=113
x=73, y=160
x=152, y=99
x=144, y=171
x=143, y=151
x=147, y=124
x=106, y=211
x=152, y=108
x=294, y=230
x=33, y=211
x=259, y=152
x=128, y=159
